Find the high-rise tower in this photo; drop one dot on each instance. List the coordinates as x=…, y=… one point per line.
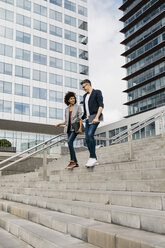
x=144, y=30
x=43, y=54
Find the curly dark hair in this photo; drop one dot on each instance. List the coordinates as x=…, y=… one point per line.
x=69, y=95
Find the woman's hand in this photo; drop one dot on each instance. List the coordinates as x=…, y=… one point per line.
x=57, y=125
x=80, y=130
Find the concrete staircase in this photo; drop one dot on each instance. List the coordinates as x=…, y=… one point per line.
x=118, y=204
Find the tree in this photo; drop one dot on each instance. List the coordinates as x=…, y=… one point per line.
x=5, y=143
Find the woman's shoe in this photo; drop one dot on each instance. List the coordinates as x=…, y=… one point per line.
x=71, y=165
x=77, y=165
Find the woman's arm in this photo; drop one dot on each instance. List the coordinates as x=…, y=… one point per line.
x=61, y=124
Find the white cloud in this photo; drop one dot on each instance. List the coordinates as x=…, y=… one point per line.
x=104, y=56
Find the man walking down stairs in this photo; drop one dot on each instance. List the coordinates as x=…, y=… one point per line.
x=118, y=204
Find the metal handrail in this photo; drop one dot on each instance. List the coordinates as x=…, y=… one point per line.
x=137, y=127
x=29, y=149
x=31, y=154
x=44, y=149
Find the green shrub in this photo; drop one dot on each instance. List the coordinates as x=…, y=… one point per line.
x=5, y=143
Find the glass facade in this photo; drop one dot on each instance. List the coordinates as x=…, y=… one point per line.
x=44, y=54
x=23, y=140
x=144, y=53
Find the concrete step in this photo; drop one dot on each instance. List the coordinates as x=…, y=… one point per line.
x=37, y=235
x=7, y=240
x=78, y=176
x=113, y=236
x=104, y=167
x=105, y=159
x=146, y=200
x=145, y=219
x=97, y=233
x=157, y=185
x=61, y=222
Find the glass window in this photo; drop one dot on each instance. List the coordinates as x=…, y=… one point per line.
x=39, y=42
x=40, y=111
x=55, y=46
x=71, y=82
x=83, y=69
x=55, y=79
x=6, y=32
x=21, y=108
x=40, y=76
x=23, y=20
x=5, y=87
x=41, y=26
x=70, y=66
x=39, y=93
x=22, y=72
x=22, y=54
x=8, y=1
x=83, y=39
x=70, y=20
x=70, y=5
x=56, y=113
x=6, y=50
x=83, y=54
x=55, y=15
x=23, y=37
x=55, y=96
x=69, y=35
x=145, y=20
x=24, y=4
x=39, y=58
x=6, y=15
x=55, y=31
x=22, y=90
x=56, y=2
x=82, y=10
x=146, y=61
x=39, y=9
x=5, y=106
x=5, y=68
x=55, y=62
x=83, y=25
x=72, y=51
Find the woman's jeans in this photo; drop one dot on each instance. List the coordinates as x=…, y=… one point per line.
x=89, y=136
x=71, y=137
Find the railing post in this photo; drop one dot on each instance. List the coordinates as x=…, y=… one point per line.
x=45, y=162
x=162, y=123
x=130, y=145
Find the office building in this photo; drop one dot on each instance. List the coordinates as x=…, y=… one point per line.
x=144, y=30
x=43, y=54
x=144, y=41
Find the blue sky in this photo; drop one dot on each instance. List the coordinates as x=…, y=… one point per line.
x=104, y=56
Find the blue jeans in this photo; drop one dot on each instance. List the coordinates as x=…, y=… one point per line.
x=89, y=136
x=71, y=137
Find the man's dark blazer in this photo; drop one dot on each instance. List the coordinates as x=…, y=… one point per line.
x=95, y=101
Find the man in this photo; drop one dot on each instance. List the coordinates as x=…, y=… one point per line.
x=93, y=106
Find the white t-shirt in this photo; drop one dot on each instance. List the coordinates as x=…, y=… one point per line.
x=86, y=105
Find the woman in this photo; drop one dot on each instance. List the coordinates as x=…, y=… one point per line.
x=73, y=114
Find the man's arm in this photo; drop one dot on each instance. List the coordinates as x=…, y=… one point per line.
x=101, y=106
x=96, y=119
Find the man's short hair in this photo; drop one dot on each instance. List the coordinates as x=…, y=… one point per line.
x=86, y=81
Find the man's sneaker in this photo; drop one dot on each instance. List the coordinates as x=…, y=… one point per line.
x=92, y=162
x=71, y=165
